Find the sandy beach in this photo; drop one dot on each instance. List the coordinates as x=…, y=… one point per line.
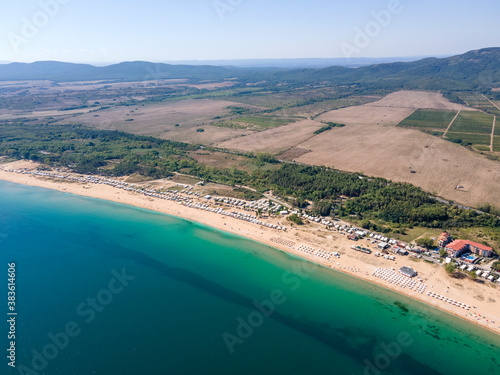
x=484, y=299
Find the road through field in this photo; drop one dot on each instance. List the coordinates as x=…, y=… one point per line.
x=451, y=123
x=371, y=143
x=494, y=122
x=493, y=133
x=493, y=104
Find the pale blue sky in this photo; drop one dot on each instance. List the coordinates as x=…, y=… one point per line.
x=161, y=30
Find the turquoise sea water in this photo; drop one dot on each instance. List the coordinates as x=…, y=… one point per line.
x=143, y=293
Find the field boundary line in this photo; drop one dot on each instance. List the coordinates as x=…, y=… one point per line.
x=451, y=123
x=493, y=133
x=494, y=122
x=493, y=104
x=407, y=117
x=485, y=134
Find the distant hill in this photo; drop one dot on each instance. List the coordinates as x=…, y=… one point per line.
x=298, y=63
x=129, y=71
x=478, y=70
x=474, y=70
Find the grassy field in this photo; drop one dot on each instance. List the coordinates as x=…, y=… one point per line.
x=482, y=147
x=229, y=124
x=253, y=122
x=472, y=122
x=428, y=119
x=490, y=236
x=496, y=144
x=478, y=101
x=474, y=100
x=469, y=128
x=227, y=161
x=265, y=121
x=275, y=140
x=317, y=108
x=473, y=139
x=439, y=164
x=417, y=232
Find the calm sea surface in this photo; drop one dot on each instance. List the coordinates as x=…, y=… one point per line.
x=103, y=288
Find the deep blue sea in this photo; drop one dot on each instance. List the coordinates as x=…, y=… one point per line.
x=104, y=288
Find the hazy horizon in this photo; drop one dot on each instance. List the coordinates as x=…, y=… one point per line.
x=105, y=33
x=256, y=62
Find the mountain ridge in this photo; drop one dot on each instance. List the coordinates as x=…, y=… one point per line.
x=473, y=70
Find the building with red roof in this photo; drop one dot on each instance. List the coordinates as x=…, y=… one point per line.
x=444, y=239
x=459, y=247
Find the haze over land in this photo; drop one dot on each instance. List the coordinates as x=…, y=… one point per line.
x=358, y=142
x=278, y=110
x=213, y=30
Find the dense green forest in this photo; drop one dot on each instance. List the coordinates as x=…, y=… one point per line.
x=116, y=153
x=370, y=198
x=86, y=150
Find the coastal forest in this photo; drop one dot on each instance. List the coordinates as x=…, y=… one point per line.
x=245, y=127
x=327, y=191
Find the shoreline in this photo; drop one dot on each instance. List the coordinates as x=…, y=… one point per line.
x=350, y=262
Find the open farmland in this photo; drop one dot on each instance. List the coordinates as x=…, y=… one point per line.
x=368, y=114
x=408, y=155
x=210, y=135
x=373, y=144
x=155, y=119
x=59, y=101
x=319, y=107
x=474, y=99
x=428, y=119
x=467, y=138
x=496, y=143
x=275, y=140
x=481, y=102
x=257, y=122
x=394, y=108
x=469, y=128
x=418, y=100
x=264, y=121
x=472, y=122
x=226, y=160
